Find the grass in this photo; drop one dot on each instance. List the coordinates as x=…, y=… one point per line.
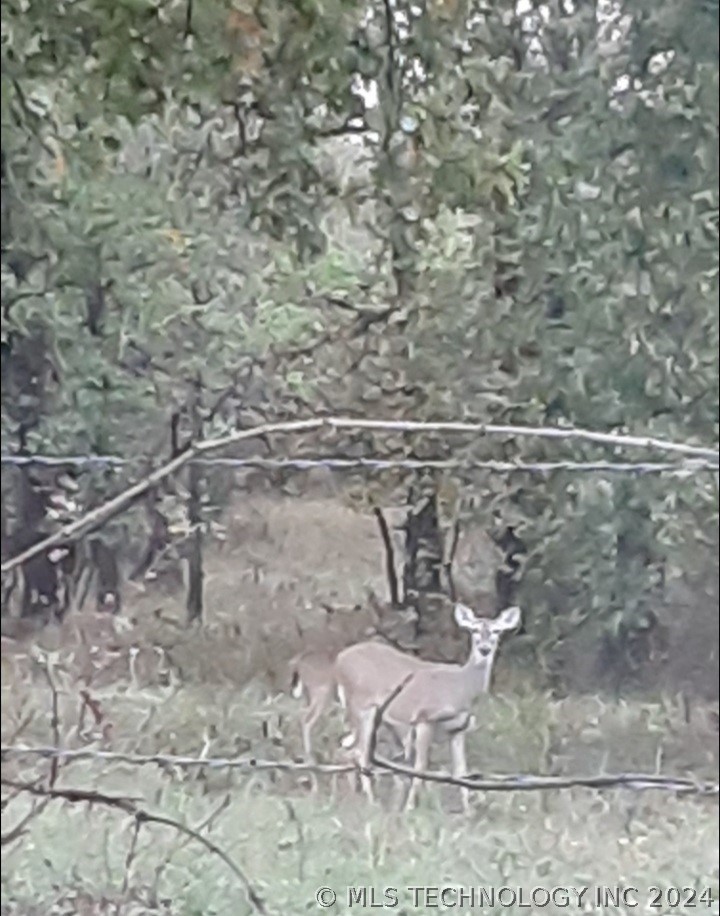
x=224, y=688
x=76, y=858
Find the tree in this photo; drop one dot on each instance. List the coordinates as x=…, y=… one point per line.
x=439, y=211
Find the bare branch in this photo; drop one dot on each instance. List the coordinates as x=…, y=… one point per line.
x=128, y=805
x=523, y=783
x=171, y=760
x=101, y=514
x=504, y=783
x=21, y=827
x=379, y=712
x=542, y=432
x=451, y=559
x=130, y=857
x=203, y=825
x=389, y=557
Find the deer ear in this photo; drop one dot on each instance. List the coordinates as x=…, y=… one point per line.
x=509, y=619
x=464, y=617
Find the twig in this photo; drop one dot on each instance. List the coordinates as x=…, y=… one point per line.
x=294, y=819
x=20, y=828
x=249, y=764
x=188, y=19
x=122, y=802
x=389, y=557
x=101, y=514
x=130, y=857
x=54, y=718
x=253, y=896
x=379, y=712
x=206, y=822
x=21, y=726
x=141, y=816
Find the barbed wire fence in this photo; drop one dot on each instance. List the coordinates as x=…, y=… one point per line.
x=685, y=468
x=688, y=460
x=197, y=450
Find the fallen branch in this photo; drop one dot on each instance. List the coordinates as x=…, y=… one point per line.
x=524, y=783
x=382, y=767
x=169, y=761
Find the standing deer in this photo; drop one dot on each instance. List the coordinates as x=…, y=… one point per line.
x=433, y=698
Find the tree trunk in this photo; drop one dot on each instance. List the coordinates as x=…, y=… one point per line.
x=108, y=596
x=506, y=578
x=422, y=571
x=194, y=510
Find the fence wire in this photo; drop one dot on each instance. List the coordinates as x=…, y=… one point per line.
x=686, y=468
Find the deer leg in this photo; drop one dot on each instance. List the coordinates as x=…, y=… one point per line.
x=347, y=755
x=318, y=700
x=364, y=732
x=423, y=738
x=351, y=754
x=350, y=744
x=306, y=728
x=459, y=765
x=402, y=783
x=311, y=714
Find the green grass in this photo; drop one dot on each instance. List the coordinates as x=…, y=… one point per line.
x=228, y=681
x=75, y=859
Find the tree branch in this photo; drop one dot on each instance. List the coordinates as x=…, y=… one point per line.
x=129, y=806
x=101, y=514
x=505, y=783
x=389, y=557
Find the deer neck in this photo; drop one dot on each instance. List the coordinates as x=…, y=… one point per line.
x=476, y=675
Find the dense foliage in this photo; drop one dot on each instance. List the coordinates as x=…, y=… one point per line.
x=440, y=211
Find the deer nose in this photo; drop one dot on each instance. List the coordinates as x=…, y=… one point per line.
x=484, y=651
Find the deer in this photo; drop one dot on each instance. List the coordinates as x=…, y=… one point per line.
x=431, y=698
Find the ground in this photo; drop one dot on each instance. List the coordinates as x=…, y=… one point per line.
x=291, y=575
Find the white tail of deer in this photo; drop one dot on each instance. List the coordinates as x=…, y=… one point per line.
x=313, y=677
x=312, y=672
x=436, y=697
